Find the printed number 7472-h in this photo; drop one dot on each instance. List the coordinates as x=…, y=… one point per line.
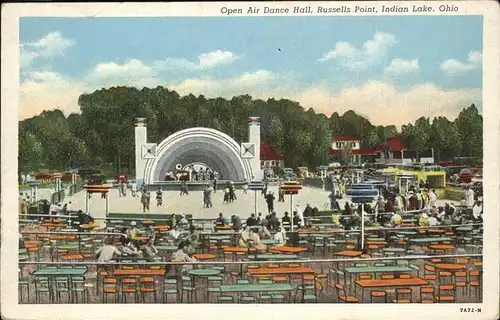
x=470, y=309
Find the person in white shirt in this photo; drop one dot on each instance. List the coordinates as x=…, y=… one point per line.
x=477, y=209
x=55, y=209
x=174, y=233
x=432, y=198
x=280, y=236
x=469, y=197
x=107, y=252
x=396, y=219
x=432, y=221
x=181, y=255
x=133, y=188
x=183, y=220
x=300, y=215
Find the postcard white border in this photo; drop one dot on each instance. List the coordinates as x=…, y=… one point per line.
x=10, y=101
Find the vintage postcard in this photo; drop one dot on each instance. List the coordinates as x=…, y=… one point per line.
x=250, y=159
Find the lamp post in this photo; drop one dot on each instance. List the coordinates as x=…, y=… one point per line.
x=291, y=188
x=256, y=185
x=360, y=196
x=34, y=188
x=323, y=174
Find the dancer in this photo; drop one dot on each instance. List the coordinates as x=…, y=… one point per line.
x=159, y=197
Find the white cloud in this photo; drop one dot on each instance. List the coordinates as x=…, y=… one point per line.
x=454, y=66
x=385, y=105
x=252, y=82
x=133, y=72
x=400, y=66
x=372, y=52
x=48, y=47
x=47, y=91
x=206, y=61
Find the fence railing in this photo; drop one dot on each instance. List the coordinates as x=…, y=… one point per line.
x=75, y=188
x=302, y=261
x=58, y=196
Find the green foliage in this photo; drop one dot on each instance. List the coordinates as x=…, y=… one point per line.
x=102, y=134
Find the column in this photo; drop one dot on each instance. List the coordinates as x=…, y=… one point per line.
x=254, y=137
x=107, y=204
x=87, y=202
x=140, y=138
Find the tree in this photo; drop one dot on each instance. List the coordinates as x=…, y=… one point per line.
x=470, y=126
x=372, y=139
x=421, y=136
x=30, y=151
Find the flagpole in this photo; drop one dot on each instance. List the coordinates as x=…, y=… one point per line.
x=255, y=202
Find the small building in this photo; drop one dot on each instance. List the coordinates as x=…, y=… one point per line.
x=269, y=158
x=341, y=142
x=346, y=146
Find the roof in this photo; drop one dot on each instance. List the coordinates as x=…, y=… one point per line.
x=345, y=138
x=395, y=144
x=356, y=152
x=268, y=153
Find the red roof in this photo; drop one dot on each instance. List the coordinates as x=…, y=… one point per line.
x=344, y=138
x=395, y=144
x=356, y=152
x=268, y=153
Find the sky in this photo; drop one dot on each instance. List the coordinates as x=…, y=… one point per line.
x=391, y=69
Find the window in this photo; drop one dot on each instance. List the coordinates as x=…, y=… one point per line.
x=338, y=145
x=272, y=163
x=262, y=163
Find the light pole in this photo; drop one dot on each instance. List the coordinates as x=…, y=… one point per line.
x=256, y=185
x=34, y=188
x=323, y=175
x=360, y=196
x=291, y=188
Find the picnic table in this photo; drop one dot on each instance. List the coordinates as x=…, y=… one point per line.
x=269, y=241
x=375, y=239
x=281, y=270
x=204, y=256
x=395, y=250
x=407, y=233
x=88, y=226
x=442, y=247
x=23, y=257
x=218, y=238
x=68, y=247
x=275, y=287
x=52, y=273
x=363, y=284
x=60, y=272
x=430, y=239
x=166, y=248
x=348, y=253
x=273, y=257
x=202, y=273
x=223, y=227
x=139, y=272
x=450, y=266
x=376, y=270
x=288, y=249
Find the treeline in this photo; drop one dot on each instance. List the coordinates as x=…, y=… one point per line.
x=102, y=134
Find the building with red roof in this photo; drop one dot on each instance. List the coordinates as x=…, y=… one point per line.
x=394, y=147
x=269, y=158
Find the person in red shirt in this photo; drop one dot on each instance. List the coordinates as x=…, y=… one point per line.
x=389, y=206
